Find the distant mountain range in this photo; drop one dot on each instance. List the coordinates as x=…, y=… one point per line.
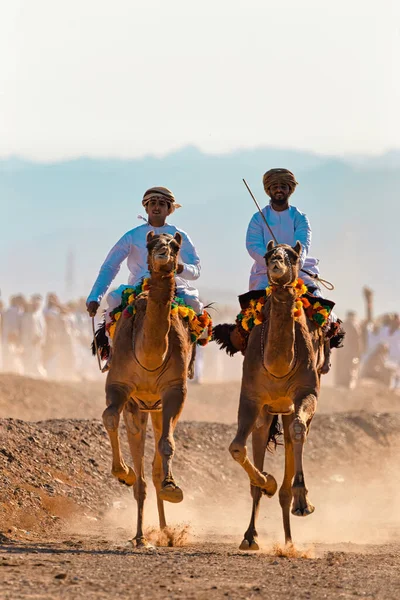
x=81, y=207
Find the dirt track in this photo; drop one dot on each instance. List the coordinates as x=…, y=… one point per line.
x=66, y=524
x=97, y=569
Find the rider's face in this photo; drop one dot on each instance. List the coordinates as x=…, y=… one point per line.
x=279, y=193
x=157, y=209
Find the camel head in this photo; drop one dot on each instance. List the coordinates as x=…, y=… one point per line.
x=163, y=251
x=282, y=263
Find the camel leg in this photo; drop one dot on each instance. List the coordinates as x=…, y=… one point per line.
x=285, y=492
x=172, y=400
x=303, y=415
x=156, y=419
x=136, y=423
x=248, y=414
x=116, y=398
x=260, y=439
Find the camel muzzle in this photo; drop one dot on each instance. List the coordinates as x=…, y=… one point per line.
x=162, y=258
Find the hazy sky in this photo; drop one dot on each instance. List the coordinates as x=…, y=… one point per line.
x=130, y=77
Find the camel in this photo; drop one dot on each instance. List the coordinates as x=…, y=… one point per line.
x=281, y=376
x=148, y=373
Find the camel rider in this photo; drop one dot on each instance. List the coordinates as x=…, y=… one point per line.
x=288, y=224
x=159, y=203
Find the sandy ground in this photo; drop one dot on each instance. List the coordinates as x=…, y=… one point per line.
x=96, y=568
x=66, y=524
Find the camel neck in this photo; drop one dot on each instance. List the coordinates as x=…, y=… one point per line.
x=152, y=346
x=279, y=352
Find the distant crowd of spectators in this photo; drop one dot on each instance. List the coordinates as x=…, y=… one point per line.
x=46, y=338
x=371, y=348
x=51, y=339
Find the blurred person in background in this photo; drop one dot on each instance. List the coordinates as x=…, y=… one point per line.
x=33, y=337
x=393, y=342
x=347, y=361
x=11, y=335
x=377, y=366
x=67, y=340
x=52, y=316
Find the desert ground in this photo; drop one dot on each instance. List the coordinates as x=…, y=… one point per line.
x=66, y=524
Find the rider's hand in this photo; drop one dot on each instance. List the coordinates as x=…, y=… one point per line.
x=92, y=308
x=179, y=269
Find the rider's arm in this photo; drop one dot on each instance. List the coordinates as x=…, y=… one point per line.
x=189, y=259
x=302, y=230
x=110, y=268
x=255, y=242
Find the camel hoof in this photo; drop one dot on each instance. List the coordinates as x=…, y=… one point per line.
x=303, y=512
x=270, y=487
x=246, y=545
x=171, y=493
x=141, y=542
x=127, y=477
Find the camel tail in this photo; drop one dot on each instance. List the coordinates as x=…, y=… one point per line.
x=102, y=342
x=275, y=431
x=222, y=335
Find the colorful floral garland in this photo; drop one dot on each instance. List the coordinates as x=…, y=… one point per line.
x=315, y=311
x=197, y=323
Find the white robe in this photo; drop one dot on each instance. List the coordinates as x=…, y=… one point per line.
x=32, y=337
x=132, y=246
x=289, y=226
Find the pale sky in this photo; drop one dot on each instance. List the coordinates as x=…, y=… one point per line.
x=128, y=77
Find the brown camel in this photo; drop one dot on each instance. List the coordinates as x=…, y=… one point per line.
x=280, y=377
x=148, y=373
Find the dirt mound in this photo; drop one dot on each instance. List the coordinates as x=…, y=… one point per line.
x=33, y=400
x=54, y=471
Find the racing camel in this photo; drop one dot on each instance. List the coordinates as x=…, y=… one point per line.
x=281, y=376
x=148, y=374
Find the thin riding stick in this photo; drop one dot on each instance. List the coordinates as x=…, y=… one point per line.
x=261, y=212
x=327, y=284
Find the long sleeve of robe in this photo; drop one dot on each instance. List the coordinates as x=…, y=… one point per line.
x=132, y=246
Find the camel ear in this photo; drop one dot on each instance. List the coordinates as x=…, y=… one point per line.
x=149, y=237
x=270, y=245
x=298, y=247
x=178, y=238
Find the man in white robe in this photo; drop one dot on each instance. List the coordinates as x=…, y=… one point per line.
x=159, y=203
x=289, y=226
